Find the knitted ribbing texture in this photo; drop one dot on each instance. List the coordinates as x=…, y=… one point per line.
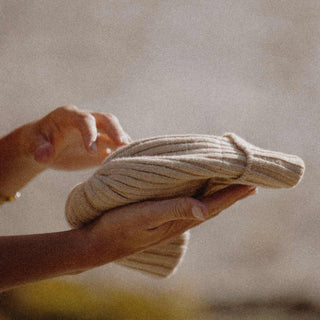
x=172, y=166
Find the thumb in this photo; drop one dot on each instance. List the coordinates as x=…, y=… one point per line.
x=183, y=208
x=44, y=152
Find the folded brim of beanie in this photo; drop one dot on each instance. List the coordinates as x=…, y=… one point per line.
x=172, y=166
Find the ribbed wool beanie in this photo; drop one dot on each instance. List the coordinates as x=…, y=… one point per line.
x=173, y=166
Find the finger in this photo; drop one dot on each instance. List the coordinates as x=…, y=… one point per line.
x=86, y=123
x=69, y=116
x=223, y=199
x=184, y=208
x=106, y=140
x=105, y=148
x=172, y=229
x=187, y=208
x=103, y=151
x=214, y=204
x=110, y=125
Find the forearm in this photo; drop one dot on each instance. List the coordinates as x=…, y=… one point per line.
x=30, y=258
x=17, y=167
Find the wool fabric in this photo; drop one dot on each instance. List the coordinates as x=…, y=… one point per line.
x=172, y=166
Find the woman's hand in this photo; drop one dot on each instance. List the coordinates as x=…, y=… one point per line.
x=71, y=139
x=67, y=139
x=132, y=228
x=118, y=233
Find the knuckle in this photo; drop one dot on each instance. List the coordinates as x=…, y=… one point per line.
x=148, y=218
x=173, y=228
x=68, y=107
x=65, y=111
x=111, y=117
x=85, y=118
x=167, y=229
x=149, y=221
x=163, y=231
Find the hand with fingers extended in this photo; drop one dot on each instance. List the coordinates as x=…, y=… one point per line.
x=70, y=139
x=132, y=228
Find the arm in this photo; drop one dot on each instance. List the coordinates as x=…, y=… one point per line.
x=16, y=168
x=119, y=233
x=30, y=258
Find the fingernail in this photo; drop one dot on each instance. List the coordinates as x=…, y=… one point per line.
x=93, y=147
x=252, y=191
x=199, y=212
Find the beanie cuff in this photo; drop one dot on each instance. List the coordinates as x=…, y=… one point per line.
x=266, y=168
x=160, y=260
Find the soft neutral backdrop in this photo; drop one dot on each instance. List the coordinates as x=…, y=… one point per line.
x=165, y=67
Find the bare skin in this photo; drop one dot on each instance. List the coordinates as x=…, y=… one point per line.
x=72, y=139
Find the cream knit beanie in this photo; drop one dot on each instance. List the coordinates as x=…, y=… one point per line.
x=172, y=166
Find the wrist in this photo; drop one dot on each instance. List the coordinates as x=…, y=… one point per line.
x=83, y=257
x=100, y=247
x=91, y=252
x=25, y=140
x=27, y=145
x=17, y=166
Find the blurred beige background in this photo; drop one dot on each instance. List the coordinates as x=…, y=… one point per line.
x=164, y=67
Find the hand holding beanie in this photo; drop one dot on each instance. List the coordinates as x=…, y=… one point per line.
x=172, y=166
